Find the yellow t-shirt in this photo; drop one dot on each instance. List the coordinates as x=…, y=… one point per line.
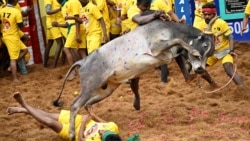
x=91, y=15
x=92, y=128
x=64, y=9
x=17, y=6
x=132, y=11
x=220, y=26
x=114, y=28
x=73, y=7
x=102, y=6
x=53, y=17
x=9, y=17
x=126, y=5
x=160, y=5
x=247, y=9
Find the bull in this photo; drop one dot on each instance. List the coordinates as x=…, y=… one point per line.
x=125, y=58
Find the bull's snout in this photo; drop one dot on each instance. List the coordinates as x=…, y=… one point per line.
x=199, y=70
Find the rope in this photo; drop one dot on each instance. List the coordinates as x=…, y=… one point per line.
x=235, y=68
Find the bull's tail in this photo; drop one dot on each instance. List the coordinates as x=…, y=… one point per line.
x=56, y=102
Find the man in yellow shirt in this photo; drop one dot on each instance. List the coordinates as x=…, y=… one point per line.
x=75, y=42
x=102, y=6
x=224, y=43
x=53, y=13
x=93, y=21
x=10, y=27
x=198, y=10
x=246, y=16
x=89, y=127
x=114, y=11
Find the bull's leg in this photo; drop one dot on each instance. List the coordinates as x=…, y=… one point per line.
x=74, y=109
x=209, y=79
x=185, y=69
x=134, y=84
x=167, y=44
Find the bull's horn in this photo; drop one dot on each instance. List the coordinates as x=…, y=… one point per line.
x=209, y=28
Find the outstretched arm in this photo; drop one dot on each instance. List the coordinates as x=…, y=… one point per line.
x=97, y=118
x=144, y=19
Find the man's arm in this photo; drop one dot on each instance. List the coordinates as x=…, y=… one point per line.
x=49, y=11
x=231, y=42
x=144, y=19
x=175, y=17
x=97, y=118
x=103, y=25
x=245, y=22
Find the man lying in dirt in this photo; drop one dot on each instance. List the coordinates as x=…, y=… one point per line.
x=86, y=128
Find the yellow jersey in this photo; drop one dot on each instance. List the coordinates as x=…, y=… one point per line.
x=160, y=5
x=73, y=8
x=92, y=129
x=10, y=17
x=102, y=6
x=91, y=15
x=220, y=30
x=132, y=11
x=247, y=9
x=53, y=17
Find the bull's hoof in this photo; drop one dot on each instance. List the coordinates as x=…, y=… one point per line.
x=137, y=105
x=57, y=103
x=190, y=78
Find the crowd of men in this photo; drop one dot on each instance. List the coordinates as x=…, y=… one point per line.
x=79, y=27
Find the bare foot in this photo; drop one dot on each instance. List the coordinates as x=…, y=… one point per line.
x=13, y=110
x=18, y=98
x=16, y=81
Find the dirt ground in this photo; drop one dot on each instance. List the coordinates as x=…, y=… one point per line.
x=175, y=111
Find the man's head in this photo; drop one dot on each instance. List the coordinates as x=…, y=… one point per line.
x=143, y=5
x=12, y=2
x=84, y=2
x=209, y=12
x=110, y=136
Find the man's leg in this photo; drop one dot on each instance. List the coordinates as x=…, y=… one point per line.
x=40, y=116
x=71, y=61
x=13, y=70
x=46, y=53
x=59, y=42
x=230, y=72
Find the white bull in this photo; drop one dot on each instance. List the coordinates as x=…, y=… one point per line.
x=128, y=56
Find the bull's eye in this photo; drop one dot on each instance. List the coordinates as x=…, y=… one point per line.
x=191, y=43
x=204, y=45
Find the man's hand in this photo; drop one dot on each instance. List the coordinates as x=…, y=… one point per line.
x=158, y=13
x=164, y=17
x=54, y=24
x=78, y=39
x=182, y=21
x=243, y=29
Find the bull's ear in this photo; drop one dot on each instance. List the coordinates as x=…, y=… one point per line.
x=201, y=36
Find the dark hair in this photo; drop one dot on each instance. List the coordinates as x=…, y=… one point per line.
x=113, y=137
x=144, y=2
x=10, y=1
x=209, y=5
